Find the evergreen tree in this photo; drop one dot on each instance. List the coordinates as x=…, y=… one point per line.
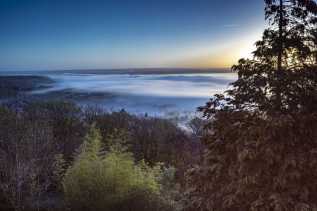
x=261, y=136
x=283, y=72
x=111, y=180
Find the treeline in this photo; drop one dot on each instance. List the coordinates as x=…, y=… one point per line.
x=58, y=156
x=16, y=86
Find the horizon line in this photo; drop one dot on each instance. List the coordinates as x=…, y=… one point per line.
x=117, y=69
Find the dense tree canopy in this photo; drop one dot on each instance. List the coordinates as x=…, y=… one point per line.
x=261, y=140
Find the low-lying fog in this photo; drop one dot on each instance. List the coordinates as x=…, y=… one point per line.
x=167, y=95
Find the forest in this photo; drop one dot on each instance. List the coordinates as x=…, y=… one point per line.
x=254, y=148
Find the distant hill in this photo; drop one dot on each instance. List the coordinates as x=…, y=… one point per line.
x=11, y=86
x=126, y=71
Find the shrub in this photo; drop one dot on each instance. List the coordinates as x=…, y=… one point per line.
x=110, y=180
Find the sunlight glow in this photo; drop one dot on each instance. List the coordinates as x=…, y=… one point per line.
x=246, y=52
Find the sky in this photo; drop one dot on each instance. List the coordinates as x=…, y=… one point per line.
x=110, y=34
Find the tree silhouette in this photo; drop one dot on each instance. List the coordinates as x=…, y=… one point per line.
x=285, y=59
x=312, y=39
x=261, y=137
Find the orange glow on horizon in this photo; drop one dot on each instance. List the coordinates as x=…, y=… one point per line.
x=222, y=56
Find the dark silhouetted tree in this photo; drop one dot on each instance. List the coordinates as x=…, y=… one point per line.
x=282, y=71
x=261, y=136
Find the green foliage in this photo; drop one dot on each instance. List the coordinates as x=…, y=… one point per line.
x=44, y=136
x=143, y=137
x=110, y=180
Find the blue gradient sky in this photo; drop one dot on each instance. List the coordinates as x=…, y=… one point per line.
x=77, y=34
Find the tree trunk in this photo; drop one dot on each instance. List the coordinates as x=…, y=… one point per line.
x=279, y=58
x=280, y=50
